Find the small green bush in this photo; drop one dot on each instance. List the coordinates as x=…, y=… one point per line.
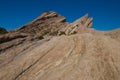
x=3, y=30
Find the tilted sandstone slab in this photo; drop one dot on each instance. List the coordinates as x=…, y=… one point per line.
x=34, y=52
x=48, y=23
x=77, y=57
x=77, y=26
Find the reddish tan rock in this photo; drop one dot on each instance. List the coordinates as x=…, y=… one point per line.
x=49, y=23
x=77, y=26
x=77, y=57
x=87, y=55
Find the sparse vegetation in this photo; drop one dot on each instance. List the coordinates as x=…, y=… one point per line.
x=3, y=30
x=61, y=33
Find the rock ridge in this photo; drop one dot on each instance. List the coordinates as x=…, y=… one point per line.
x=77, y=26
x=49, y=48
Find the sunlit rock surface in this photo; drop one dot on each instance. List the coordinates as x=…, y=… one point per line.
x=87, y=54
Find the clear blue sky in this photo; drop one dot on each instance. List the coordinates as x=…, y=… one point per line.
x=15, y=13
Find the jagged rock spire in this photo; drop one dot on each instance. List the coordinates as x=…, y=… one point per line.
x=48, y=23
x=83, y=22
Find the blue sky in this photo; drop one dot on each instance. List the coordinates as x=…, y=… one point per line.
x=105, y=13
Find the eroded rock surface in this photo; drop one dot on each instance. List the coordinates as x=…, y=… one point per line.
x=79, y=25
x=77, y=57
x=36, y=52
x=49, y=23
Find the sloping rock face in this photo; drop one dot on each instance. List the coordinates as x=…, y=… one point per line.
x=82, y=53
x=49, y=23
x=115, y=34
x=79, y=26
x=10, y=40
x=77, y=57
x=46, y=25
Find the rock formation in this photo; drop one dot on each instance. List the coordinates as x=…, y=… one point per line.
x=47, y=24
x=43, y=25
x=31, y=53
x=76, y=26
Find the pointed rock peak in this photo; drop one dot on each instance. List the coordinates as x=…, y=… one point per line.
x=47, y=23
x=80, y=25
x=81, y=20
x=86, y=15
x=51, y=13
x=47, y=15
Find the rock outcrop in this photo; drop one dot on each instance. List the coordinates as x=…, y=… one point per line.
x=10, y=40
x=49, y=23
x=36, y=52
x=77, y=26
